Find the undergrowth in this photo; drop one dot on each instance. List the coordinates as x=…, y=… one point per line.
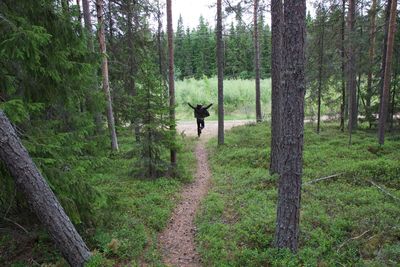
x=125, y=216
x=345, y=220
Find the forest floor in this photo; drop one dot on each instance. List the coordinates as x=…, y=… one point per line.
x=177, y=241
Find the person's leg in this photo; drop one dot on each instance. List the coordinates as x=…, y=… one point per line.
x=202, y=124
x=198, y=127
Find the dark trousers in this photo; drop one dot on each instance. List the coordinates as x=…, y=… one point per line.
x=200, y=125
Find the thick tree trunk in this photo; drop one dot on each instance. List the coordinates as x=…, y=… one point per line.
x=40, y=197
x=342, y=52
x=257, y=62
x=292, y=125
x=276, y=63
x=320, y=72
x=104, y=68
x=384, y=106
x=351, y=69
x=371, y=56
x=220, y=66
x=170, y=32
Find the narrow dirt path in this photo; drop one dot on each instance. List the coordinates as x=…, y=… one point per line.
x=177, y=241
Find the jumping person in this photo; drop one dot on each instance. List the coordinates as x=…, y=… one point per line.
x=200, y=113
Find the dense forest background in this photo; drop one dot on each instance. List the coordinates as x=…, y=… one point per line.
x=51, y=90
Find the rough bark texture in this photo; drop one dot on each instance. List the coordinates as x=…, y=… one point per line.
x=220, y=65
x=320, y=70
x=276, y=61
x=351, y=68
x=39, y=196
x=104, y=69
x=384, y=106
x=342, y=52
x=170, y=32
x=371, y=56
x=257, y=62
x=292, y=125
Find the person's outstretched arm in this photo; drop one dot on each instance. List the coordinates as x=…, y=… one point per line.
x=209, y=106
x=191, y=106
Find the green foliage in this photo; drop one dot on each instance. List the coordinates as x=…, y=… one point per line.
x=239, y=97
x=344, y=220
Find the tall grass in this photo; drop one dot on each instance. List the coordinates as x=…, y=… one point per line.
x=239, y=97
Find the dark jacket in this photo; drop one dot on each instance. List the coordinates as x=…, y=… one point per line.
x=200, y=112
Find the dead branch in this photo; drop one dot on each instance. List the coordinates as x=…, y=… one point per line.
x=322, y=179
x=383, y=190
x=352, y=238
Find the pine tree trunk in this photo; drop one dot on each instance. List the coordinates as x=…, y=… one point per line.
x=88, y=26
x=351, y=69
x=320, y=72
x=384, y=49
x=292, y=125
x=104, y=68
x=170, y=32
x=276, y=63
x=39, y=196
x=371, y=56
x=343, y=58
x=220, y=66
x=384, y=106
x=257, y=62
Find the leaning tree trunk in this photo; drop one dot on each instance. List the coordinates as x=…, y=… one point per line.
x=276, y=60
x=384, y=49
x=220, y=62
x=257, y=62
x=384, y=106
x=171, y=82
x=351, y=78
x=104, y=68
x=39, y=196
x=371, y=56
x=292, y=125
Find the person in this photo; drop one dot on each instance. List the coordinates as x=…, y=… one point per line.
x=200, y=112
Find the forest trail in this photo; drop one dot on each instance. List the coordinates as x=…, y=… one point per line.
x=177, y=241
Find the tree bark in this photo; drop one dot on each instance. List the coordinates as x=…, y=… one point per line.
x=39, y=196
x=384, y=49
x=351, y=69
x=257, y=62
x=384, y=106
x=276, y=62
x=342, y=52
x=104, y=68
x=320, y=71
x=171, y=81
x=371, y=56
x=292, y=126
x=220, y=66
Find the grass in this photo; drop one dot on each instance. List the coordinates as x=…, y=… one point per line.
x=239, y=97
x=344, y=220
x=129, y=214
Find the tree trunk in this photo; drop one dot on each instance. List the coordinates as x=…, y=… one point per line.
x=276, y=63
x=170, y=32
x=78, y=4
x=257, y=62
x=384, y=49
x=220, y=65
x=88, y=26
x=320, y=71
x=342, y=52
x=39, y=196
x=351, y=69
x=104, y=68
x=384, y=106
x=291, y=146
x=371, y=56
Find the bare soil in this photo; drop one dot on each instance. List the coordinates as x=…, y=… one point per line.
x=177, y=241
